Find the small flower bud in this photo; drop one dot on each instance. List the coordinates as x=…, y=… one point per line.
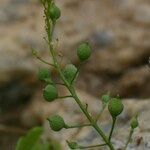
x=34, y=52
x=84, y=51
x=115, y=107
x=69, y=72
x=72, y=145
x=56, y=123
x=105, y=99
x=134, y=123
x=43, y=74
x=50, y=93
x=55, y=12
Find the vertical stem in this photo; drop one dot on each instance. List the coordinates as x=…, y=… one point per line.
x=74, y=95
x=112, y=128
x=129, y=138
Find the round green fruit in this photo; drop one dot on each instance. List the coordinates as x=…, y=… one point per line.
x=55, y=12
x=50, y=93
x=56, y=123
x=134, y=123
x=115, y=107
x=84, y=51
x=43, y=74
x=69, y=72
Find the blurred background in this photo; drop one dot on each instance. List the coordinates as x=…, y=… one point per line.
x=119, y=33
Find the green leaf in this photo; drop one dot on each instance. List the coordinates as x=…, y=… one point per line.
x=29, y=141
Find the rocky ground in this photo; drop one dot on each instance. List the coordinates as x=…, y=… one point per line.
x=119, y=33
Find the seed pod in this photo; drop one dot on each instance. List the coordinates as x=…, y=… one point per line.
x=134, y=123
x=55, y=12
x=43, y=74
x=115, y=107
x=72, y=145
x=69, y=72
x=50, y=93
x=56, y=123
x=84, y=51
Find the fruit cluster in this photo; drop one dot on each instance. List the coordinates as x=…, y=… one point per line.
x=68, y=75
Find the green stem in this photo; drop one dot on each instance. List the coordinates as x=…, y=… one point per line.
x=129, y=138
x=62, y=97
x=92, y=146
x=39, y=58
x=60, y=84
x=91, y=120
x=77, y=126
x=45, y=62
x=112, y=128
x=100, y=113
x=74, y=95
x=76, y=73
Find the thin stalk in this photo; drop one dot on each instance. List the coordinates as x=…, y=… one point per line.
x=76, y=73
x=34, y=52
x=77, y=126
x=62, y=97
x=92, y=146
x=60, y=84
x=45, y=62
x=129, y=138
x=112, y=128
x=100, y=113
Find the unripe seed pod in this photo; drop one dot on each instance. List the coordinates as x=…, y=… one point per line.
x=134, y=123
x=56, y=123
x=69, y=72
x=50, y=93
x=55, y=12
x=72, y=145
x=43, y=74
x=84, y=51
x=115, y=107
